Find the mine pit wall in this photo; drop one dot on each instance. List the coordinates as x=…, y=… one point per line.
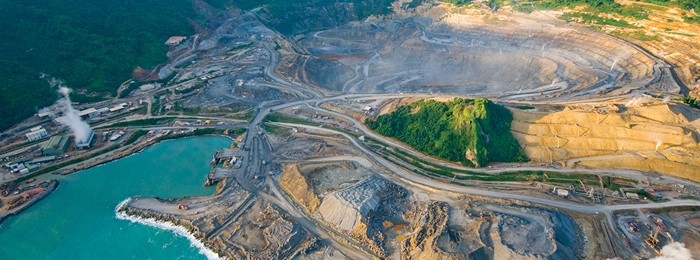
x=656, y=138
x=585, y=60
x=589, y=55
x=578, y=42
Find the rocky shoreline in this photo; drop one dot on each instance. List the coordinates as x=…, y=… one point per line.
x=166, y=222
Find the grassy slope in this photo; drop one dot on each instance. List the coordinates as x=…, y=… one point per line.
x=449, y=129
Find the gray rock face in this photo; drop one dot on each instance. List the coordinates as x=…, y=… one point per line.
x=345, y=208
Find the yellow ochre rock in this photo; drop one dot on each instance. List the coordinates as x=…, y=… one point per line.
x=652, y=136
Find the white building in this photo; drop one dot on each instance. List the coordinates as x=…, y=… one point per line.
x=85, y=144
x=118, y=108
x=92, y=112
x=36, y=133
x=43, y=114
x=563, y=193
x=88, y=113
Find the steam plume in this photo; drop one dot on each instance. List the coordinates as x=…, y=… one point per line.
x=639, y=100
x=674, y=251
x=614, y=63
x=80, y=129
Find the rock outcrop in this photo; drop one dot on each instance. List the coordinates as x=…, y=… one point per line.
x=428, y=224
x=648, y=136
x=345, y=208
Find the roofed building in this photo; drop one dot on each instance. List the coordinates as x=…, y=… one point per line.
x=85, y=144
x=36, y=134
x=56, y=145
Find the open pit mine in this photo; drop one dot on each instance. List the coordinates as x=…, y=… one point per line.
x=604, y=162
x=607, y=146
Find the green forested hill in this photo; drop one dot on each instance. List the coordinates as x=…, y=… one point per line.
x=449, y=130
x=91, y=44
x=291, y=17
x=96, y=44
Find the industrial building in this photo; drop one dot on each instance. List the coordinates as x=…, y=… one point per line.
x=56, y=145
x=118, y=108
x=44, y=159
x=36, y=133
x=43, y=114
x=85, y=144
x=92, y=112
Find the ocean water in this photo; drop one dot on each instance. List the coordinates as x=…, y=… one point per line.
x=78, y=221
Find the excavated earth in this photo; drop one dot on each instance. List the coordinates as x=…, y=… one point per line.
x=234, y=223
x=514, y=59
x=643, y=134
x=460, y=55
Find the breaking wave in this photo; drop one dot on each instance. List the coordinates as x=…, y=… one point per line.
x=178, y=230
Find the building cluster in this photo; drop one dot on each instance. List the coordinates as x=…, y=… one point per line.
x=51, y=150
x=95, y=112
x=92, y=112
x=36, y=133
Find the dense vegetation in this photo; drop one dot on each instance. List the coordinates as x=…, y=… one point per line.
x=597, y=6
x=451, y=130
x=611, y=7
x=686, y=4
x=413, y=3
x=93, y=45
x=458, y=2
x=594, y=19
x=692, y=102
x=291, y=17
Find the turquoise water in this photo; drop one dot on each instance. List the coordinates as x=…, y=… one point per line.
x=77, y=221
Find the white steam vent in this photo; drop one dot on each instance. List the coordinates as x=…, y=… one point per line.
x=674, y=251
x=79, y=128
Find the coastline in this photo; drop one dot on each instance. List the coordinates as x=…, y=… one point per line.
x=169, y=226
x=117, y=154
x=128, y=152
x=125, y=153
x=53, y=184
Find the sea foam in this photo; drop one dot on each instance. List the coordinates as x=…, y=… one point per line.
x=178, y=230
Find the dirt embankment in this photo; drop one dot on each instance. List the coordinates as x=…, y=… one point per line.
x=296, y=185
x=648, y=136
